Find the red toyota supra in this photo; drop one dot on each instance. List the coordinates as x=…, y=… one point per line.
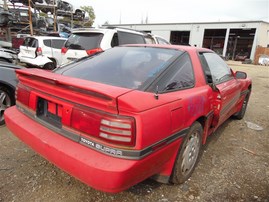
x=132, y=112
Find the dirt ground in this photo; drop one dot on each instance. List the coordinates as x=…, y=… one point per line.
x=234, y=165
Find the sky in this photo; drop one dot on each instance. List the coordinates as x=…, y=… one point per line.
x=171, y=11
x=168, y=11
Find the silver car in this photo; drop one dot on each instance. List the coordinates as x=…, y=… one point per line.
x=8, y=83
x=7, y=55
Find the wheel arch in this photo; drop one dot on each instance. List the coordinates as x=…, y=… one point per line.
x=7, y=85
x=165, y=175
x=54, y=60
x=11, y=88
x=6, y=59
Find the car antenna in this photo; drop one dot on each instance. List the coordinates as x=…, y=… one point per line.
x=156, y=94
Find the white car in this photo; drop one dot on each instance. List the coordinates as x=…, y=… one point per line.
x=154, y=39
x=263, y=60
x=41, y=51
x=87, y=41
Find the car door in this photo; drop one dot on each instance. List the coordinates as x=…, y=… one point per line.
x=28, y=48
x=225, y=86
x=47, y=49
x=56, y=46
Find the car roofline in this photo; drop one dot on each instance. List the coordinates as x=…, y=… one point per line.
x=104, y=30
x=168, y=46
x=45, y=37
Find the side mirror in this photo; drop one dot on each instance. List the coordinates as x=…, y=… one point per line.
x=240, y=75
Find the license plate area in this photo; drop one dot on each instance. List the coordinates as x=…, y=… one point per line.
x=49, y=112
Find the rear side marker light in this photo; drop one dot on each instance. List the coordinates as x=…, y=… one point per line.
x=39, y=51
x=64, y=50
x=92, y=51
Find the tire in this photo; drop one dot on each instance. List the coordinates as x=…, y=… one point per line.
x=240, y=115
x=189, y=154
x=49, y=66
x=6, y=100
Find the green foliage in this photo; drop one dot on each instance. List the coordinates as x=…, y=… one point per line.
x=90, y=11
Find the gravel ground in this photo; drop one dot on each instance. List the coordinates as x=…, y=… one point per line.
x=233, y=167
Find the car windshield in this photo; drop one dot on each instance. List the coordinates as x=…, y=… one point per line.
x=128, y=67
x=84, y=41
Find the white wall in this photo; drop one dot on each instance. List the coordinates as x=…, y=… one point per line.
x=197, y=31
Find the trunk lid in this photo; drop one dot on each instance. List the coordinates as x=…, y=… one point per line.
x=69, y=90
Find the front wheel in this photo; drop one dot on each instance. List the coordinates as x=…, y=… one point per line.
x=188, y=155
x=240, y=115
x=6, y=100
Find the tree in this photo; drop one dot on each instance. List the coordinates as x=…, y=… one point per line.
x=90, y=11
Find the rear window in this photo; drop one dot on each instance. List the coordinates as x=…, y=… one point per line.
x=84, y=41
x=129, y=67
x=30, y=42
x=130, y=38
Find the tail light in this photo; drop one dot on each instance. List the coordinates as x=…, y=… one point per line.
x=113, y=129
x=92, y=51
x=64, y=50
x=39, y=51
x=22, y=94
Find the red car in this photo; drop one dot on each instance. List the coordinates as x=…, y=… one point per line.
x=132, y=112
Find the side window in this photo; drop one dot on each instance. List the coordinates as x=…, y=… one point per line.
x=115, y=40
x=57, y=43
x=130, y=38
x=47, y=42
x=180, y=76
x=219, y=69
x=162, y=41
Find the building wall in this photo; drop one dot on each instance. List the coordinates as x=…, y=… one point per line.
x=263, y=35
x=197, y=30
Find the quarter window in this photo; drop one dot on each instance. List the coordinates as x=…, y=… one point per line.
x=47, y=42
x=57, y=43
x=180, y=75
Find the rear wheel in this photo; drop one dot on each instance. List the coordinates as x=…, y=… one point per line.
x=188, y=155
x=49, y=66
x=6, y=100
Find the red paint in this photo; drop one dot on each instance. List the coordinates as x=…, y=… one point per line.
x=129, y=121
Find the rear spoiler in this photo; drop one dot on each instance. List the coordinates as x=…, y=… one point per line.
x=107, y=95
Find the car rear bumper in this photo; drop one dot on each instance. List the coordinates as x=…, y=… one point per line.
x=38, y=61
x=98, y=170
